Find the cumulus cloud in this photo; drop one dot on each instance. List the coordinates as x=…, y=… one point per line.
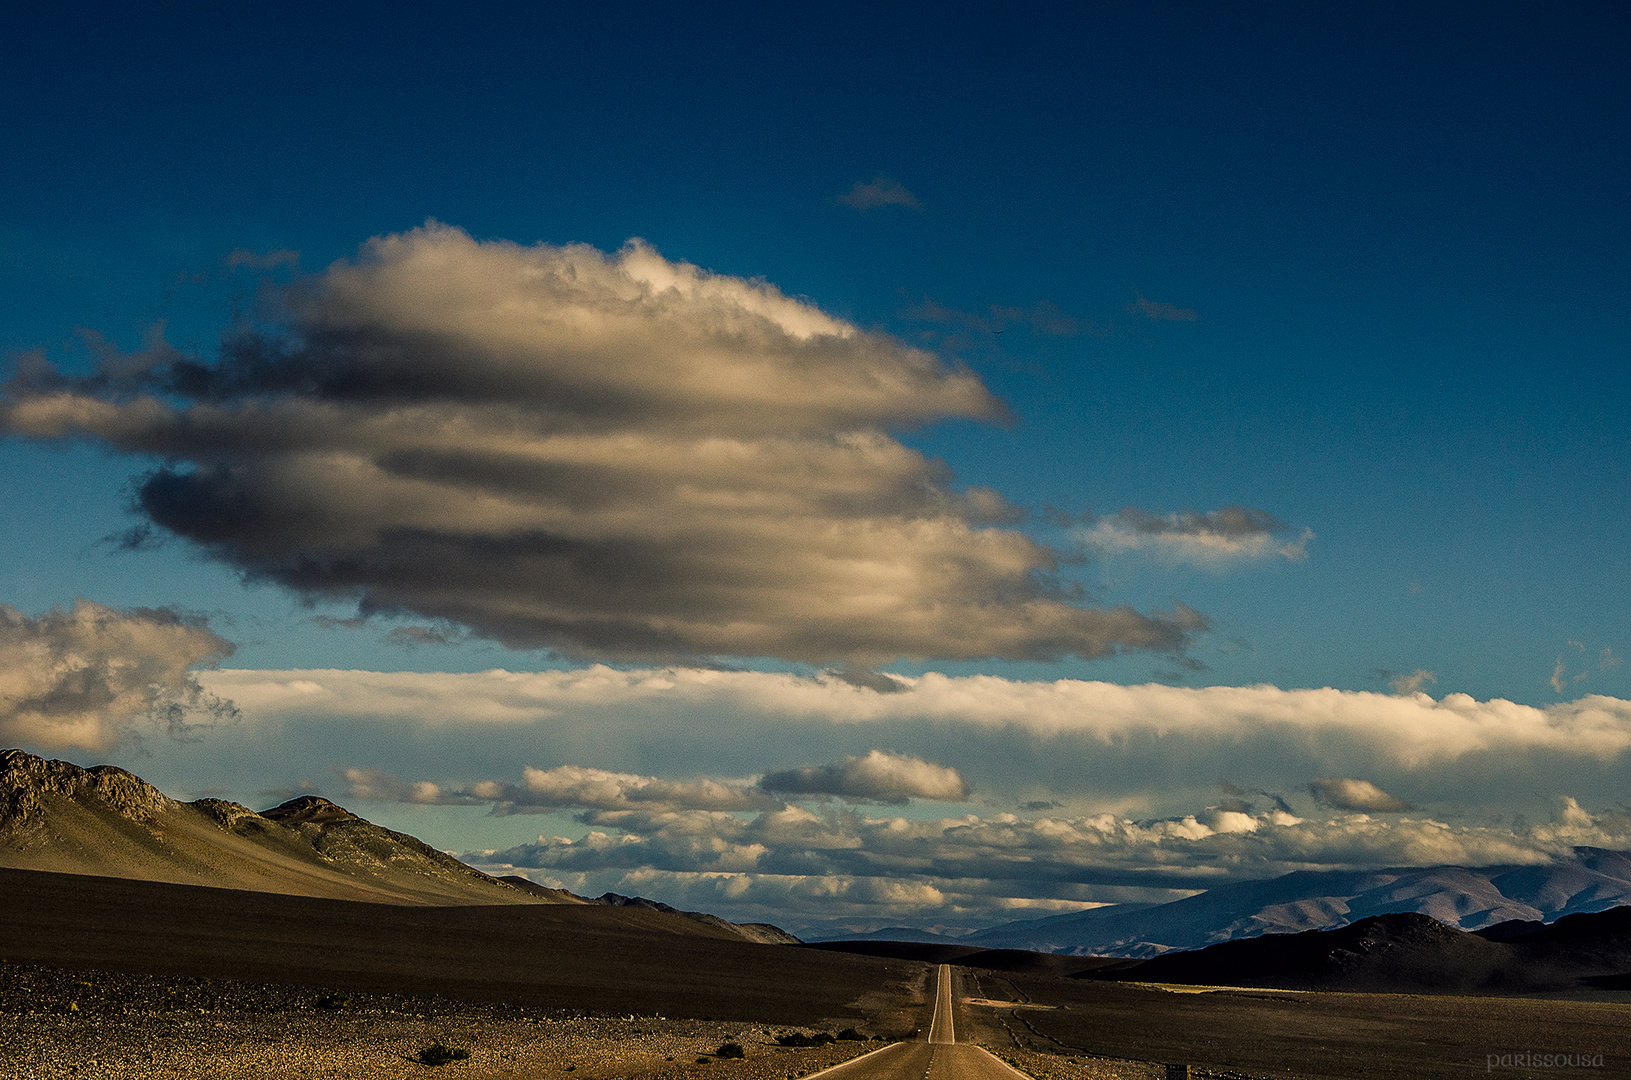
x=571, y=785
x=877, y=776
x=566, y=787
x=1362, y=795
x=880, y=191
x=93, y=675
x=1234, y=533
x=614, y=456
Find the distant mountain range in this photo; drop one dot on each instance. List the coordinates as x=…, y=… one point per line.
x=107, y=822
x=1410, y=952
x=1592, y=880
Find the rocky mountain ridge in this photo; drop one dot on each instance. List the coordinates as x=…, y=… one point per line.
x=105, y=821
x=55, y=815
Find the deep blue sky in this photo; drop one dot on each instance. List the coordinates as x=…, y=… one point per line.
x=1403, y=231
x=1397, y=238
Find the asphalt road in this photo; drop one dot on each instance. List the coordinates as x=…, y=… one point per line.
x=939, y=1057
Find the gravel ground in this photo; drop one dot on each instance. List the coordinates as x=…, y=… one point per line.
x=56, y=1022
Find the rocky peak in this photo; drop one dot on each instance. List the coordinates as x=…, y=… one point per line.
x=27, y=783
x=230, y=815
x=309, y=809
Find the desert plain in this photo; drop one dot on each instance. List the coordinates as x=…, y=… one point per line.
x=122, y=978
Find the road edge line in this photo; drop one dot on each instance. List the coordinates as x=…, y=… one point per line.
x=859, y=1057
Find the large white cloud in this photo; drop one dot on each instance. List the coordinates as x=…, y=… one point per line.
x=612, y=455
x=1406, y=732
x=1090, y=747
x=93, y=675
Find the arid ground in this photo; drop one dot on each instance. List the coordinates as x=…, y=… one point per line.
x=107, y=977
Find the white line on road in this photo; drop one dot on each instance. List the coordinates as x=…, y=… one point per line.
x=854, y=1060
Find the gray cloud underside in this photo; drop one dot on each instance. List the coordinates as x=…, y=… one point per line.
x=610, y=455
x=94, y=675
x=876, y=776
x=1361, y=795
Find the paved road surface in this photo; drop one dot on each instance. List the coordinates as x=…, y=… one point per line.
x=939, y=1057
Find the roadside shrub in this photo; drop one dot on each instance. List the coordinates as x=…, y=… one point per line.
x=851, y=1035
x=798, y=1038
x=731, y=1050
x=438, y=1054
x=705, y=1061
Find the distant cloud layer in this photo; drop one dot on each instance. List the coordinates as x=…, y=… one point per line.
x=757, y=793
x=1153, y=747
x=91, y=676
x=1234, y=533
x=794, y=862
x=614, y=456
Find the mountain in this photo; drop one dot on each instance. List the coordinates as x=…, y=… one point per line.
x=104, y=821
x=1466, y=898
x=1409, y=951
x=57, y=816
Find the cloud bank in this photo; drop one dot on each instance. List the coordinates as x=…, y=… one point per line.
x=614, y=456
x=1149, y=749
x=92, y=676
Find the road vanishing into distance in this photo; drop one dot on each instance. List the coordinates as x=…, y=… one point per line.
x=939, y=1057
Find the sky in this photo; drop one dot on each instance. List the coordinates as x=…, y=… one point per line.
x=841, y=468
